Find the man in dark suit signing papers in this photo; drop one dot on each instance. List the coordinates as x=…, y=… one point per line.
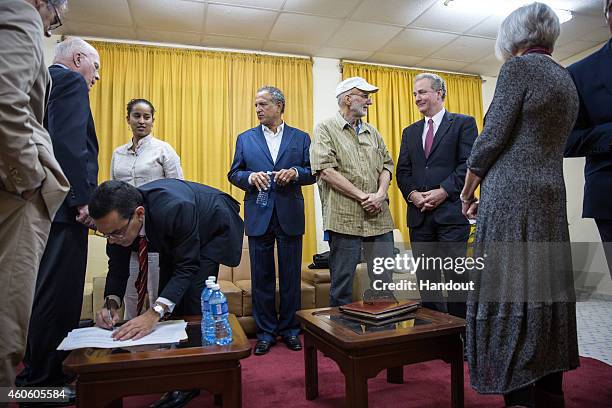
x=193, y=227
x=273, y=157
x=430, y=173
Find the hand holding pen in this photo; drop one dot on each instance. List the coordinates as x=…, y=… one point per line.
x=107, y=316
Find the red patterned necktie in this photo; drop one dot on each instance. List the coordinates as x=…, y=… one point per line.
x=429, y=137
x=143, y=273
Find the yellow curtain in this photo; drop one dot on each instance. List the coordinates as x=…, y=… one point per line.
x=393, y=109
x=203, y=100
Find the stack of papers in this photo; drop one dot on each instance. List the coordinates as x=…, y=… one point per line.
x=171, y=331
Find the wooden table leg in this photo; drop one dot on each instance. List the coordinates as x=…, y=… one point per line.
x=457, y=375
x=118, y=403
x=356, y=385
x=311, y=369
x=232, y=395
x=395, y=375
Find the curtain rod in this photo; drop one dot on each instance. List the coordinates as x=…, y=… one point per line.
x=404, y=67
x=189, y=47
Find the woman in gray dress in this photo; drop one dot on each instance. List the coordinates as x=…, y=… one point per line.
x=521, y=319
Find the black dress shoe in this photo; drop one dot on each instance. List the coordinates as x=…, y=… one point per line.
x=69, y=394
x=175, y=399
x=293, y=343
x=262, y=347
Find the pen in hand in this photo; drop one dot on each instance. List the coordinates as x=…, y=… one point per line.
x=110, y=314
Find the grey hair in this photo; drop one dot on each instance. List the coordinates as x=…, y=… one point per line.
x=66, y=49
x=533, y=25
x=276, y=94
x=437, y=82
x=60, y=5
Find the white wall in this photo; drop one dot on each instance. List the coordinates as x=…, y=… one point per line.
x=325, y=76
x=49, y=46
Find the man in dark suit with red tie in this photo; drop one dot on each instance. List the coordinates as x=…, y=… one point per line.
x=592, y=135
x=193, y=227
x=430, y=173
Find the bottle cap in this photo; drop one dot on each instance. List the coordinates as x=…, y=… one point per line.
x=216, y=287
x=211, y=278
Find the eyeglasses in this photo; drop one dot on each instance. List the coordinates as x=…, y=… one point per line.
x=118, y=234
x=363, y=95
x=57, y=22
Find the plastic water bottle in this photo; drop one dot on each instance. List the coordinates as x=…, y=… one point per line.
x=262, y=197
x=207, y=327
x=218, y=311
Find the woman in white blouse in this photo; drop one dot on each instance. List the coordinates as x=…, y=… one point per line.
x=142, y=160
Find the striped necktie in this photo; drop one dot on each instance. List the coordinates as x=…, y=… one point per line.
x=143, y=272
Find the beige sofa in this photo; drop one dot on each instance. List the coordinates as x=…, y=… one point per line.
x=235, y=283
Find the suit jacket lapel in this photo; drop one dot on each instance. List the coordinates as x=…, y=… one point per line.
x=260, y=140
x=605, y=62
x=285, y=141
x=418, y=138
x=442, y=129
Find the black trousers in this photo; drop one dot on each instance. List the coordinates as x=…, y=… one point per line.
x=190, y=304
x=56, y=310
x=433, y=241
x=605, y=231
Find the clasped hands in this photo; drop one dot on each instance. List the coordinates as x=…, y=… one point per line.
x=469, y=206
x=134, y=329
x=261, y=179
x=372, y=202
x=428, y=200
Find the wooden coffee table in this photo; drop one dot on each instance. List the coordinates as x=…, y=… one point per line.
x=104, y=376
x=362, y=351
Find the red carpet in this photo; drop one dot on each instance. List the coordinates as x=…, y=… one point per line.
x=277, y=380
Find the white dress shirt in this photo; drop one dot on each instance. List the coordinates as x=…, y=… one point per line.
x=437, y=119
x=153, y=159
x=273, y=139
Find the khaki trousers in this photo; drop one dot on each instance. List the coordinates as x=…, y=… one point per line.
x=24, y=229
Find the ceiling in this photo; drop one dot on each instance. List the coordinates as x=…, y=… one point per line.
x=422, y=33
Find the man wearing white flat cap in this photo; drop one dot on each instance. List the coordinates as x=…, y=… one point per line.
x=353, y=170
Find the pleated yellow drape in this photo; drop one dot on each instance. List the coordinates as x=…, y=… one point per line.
x=393, y=109
x=203, y=99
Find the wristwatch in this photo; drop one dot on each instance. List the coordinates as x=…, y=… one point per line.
x=160, y=310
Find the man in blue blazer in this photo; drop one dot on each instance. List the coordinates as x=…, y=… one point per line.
x=592, y=135
x=273, y=158
x=61, y=276
x=430, y=173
